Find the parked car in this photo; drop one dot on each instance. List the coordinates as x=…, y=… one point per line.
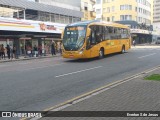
x=158, y=42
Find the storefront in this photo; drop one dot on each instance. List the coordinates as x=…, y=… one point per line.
x=25, y=34
x=141, y=36
x=140, y=32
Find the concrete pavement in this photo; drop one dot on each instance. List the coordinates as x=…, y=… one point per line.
x=145, y=46
x=135, y=95
x=34, y=85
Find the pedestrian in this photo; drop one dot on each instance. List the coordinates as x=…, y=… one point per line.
x=35, y=50
x=0, y=52
x=3, y=52
x=45, y=49
x=8, y=51
x=29, y=50
x=14, y=52
x=60, y=48
x=40, y=50
x=53, y=48
x=134, y=43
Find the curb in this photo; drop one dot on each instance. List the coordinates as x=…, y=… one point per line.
x=33, y=58
x=145, y=46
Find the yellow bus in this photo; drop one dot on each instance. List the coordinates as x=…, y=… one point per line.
x=89, y=39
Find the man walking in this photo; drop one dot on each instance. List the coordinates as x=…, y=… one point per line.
x=8, y=51
x=134, y=42
x=3, y=52
x=14, y=52
x=53, y=49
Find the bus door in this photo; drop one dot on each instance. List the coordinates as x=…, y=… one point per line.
x=108, y=47
x=108, y=38
x=95, y=45
x=92, y=44
x=117, y=41
x=94, y=52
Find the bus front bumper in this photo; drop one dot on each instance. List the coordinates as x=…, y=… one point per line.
x=73, y=55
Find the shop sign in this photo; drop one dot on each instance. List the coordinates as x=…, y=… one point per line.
x=140, y=31
x=45, y=27
x=10, y=24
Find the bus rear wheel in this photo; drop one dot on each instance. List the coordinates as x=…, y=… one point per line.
x=101, y=53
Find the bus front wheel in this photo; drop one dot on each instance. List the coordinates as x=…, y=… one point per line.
x=101, y=53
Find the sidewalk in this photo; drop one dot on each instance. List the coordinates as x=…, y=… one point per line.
x=146, y=46
x=28, y=58
x=135, y=95
x=58, y=55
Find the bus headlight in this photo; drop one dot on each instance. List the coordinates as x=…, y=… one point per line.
x=81, y=51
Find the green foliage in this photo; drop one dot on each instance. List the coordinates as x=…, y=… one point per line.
x=155, y=77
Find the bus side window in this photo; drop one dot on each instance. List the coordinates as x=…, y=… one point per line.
x=128, y=35
x=99, y=35
x=111, y=32
x=92, y=36
x=122, y=33
x=93, y=40
x=125, y=33
x=118, y=33
x=103, y=32
x=106, y=33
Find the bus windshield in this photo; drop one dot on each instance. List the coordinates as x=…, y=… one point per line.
x=74, y=37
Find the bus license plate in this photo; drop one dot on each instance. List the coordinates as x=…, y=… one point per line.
x=71, y=56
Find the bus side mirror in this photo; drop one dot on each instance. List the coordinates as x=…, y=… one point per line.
x=88, y=32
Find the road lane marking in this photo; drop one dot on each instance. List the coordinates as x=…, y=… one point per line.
x=77, y=72
x=41, y=67
x=99, y=90
x=146, y=55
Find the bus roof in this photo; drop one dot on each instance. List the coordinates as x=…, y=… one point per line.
x=97, y=22
x=86, y=22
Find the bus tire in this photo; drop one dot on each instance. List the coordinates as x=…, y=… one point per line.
x=123, y=49
x=101, y=53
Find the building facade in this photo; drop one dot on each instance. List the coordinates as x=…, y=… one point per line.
x=156, y=16
x=156, y=11
x=116, y=10
x=88, y=8
x=137, y=14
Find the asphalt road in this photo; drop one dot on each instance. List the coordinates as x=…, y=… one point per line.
x=40, y=84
